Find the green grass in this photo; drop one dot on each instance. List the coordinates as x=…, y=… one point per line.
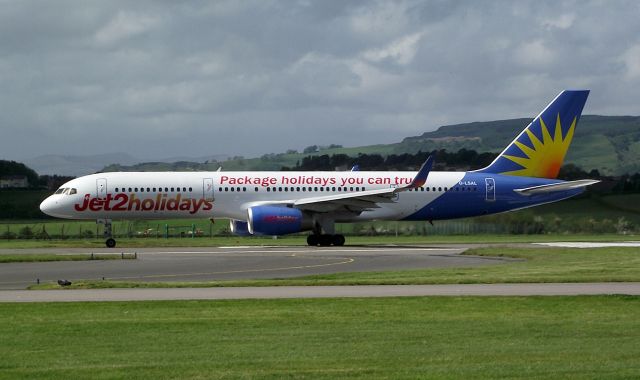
x=300, y=240
x=29, y=258
x=534, y=265
x=387, y=338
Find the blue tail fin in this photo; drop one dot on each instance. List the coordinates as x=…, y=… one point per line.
x=539, y=149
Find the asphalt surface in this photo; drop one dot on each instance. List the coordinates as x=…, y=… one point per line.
x=631, y=288
x=233, y=263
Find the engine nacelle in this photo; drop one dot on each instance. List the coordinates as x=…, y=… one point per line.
x=239, y=227
x=276, y=220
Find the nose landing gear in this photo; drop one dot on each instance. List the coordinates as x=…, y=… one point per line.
x=110, y=242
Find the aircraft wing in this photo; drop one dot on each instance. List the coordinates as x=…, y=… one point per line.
x=357, y=202
x=561, y=186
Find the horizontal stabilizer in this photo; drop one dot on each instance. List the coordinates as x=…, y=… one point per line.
x=560, y=186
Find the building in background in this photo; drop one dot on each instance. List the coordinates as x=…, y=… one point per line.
x=14, y=182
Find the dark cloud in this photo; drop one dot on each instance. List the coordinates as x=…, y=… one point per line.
x=248, y=77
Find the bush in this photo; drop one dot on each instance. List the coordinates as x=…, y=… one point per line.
x=7, y=235
x=25, y=233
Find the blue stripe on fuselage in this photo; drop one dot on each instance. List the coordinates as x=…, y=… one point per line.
x=457, y=202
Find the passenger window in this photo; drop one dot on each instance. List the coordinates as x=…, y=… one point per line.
x=190, y=189
x=256, y=189
x=172, y=189
x=268, y=189
x=136, y=189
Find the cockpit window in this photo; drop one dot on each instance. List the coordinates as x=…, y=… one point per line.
x=73, y=191
x=60, y=190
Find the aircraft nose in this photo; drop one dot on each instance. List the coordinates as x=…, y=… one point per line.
x=46, y=205
x=51, y=206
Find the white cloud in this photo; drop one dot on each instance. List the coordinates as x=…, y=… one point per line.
x=381, y=19
x=631, y=59
x=401, y=50
x=534, y=53
x=563, y=21
x=125, y=25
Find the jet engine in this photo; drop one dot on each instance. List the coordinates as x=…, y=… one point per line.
x=276, y=220
x=239, y=227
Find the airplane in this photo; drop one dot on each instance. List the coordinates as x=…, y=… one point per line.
x=280, y=203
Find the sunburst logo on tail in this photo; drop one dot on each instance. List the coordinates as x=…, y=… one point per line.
x=543, y=158
x=539, y=149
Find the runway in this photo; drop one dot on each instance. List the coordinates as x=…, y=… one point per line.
x=234, y=263
x=278, y=292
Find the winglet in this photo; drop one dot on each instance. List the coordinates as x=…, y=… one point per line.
x=420, y=178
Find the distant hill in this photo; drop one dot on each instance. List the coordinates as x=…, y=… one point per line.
x=83, y=165
x=610, y=144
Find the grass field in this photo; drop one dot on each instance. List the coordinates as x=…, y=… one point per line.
x=389, y=338
x=535, y=265
x=300, y=240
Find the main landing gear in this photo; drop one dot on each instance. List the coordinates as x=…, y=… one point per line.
x=110, y=242
x=325, y=240
x=324, y=233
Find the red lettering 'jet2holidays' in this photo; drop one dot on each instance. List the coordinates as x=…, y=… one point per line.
x=280, y=203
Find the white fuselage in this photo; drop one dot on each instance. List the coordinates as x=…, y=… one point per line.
x=160, y=195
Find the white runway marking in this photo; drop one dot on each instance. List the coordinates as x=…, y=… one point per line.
x=582, y=244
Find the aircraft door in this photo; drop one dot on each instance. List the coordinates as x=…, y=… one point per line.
x=101, y=188
x=490, y=185
x=207, y=189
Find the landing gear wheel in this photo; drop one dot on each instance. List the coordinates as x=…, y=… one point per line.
x=111, y=243
x=338, y=240
x=313, y=240
x=326, y=240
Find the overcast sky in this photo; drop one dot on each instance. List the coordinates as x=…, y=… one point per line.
x=159, y=79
